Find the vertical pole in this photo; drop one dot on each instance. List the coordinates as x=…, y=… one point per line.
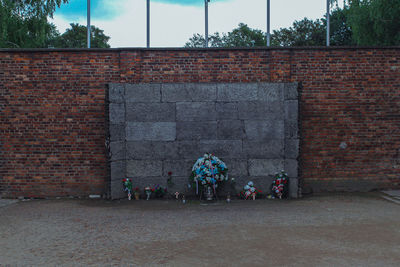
x=148, y=23
x=327, y=23
x=268, y=23
x=88, y=24
x=206, y=22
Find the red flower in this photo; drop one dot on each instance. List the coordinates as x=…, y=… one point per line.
x=169, y=173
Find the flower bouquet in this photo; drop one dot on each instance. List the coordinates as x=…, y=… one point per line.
x=159, y=192
x=136, y=193
x=127, y=184
x=207, y=173
x=148, y=190
x=250, y=191
x=280, y=185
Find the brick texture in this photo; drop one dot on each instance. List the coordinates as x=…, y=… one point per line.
x=53, y=111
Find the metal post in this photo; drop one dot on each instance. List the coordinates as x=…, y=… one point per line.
x=148, y=23
x=88, y=24
x=206, y=22
x=327, y=22
x=268, y=23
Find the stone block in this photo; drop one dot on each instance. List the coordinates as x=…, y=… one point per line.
x=268, y=149
x=227, y=92
x=117, y=132
x=230, y=130
x=143, y=168
x=117, y=190
x=291, y=111
x=118, y=170
x=190, y=130
x=188, y=149
x=264, y=167
x=154, y=112
x=263, y=130
x=227, y=110
x=151, y=150
x=150, y=131
x=117, y=113
x=184, y=92
x=143, y=93
x=291, y=148
x=195, y=111
x=236, y=167
x=178, y=167
x=293, y=187
x=291, y=167
x=116, y=93
x=270, y=92
x=291, y=91
x=117, y=149
x=291, y=130
x=259, y=110
x=222, y=148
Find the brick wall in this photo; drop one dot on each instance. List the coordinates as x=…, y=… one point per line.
x=53, y=110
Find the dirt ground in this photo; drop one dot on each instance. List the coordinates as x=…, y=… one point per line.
x=329, y=230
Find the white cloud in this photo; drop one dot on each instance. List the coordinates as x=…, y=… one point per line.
x=173, y=25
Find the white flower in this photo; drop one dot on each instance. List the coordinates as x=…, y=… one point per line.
x=250, y=183
x=252, y=189
x=246, y=187
x=222, y=176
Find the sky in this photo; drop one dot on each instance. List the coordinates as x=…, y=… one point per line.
x=173, y=22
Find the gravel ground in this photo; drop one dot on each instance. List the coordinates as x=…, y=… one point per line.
x=329, y=230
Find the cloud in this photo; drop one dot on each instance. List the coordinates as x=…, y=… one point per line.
x=173, y=24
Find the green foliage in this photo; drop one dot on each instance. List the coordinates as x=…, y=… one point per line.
x=76, y=37
x=242, y=36
x=23, y=23
x=375, y=22
x=340, y=31
x=303, y=33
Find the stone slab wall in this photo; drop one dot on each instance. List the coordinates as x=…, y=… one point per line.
x=161, y=128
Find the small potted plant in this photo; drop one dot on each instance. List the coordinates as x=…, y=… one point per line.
x=148, y=190
x=136, y=193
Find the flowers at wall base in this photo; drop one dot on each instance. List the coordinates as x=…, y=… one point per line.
x=159, y=192
x=250, y=191
x=148, y=190
x=280, y=185
x=208, y=171
x=127, y=184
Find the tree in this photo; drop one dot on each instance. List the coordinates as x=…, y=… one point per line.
x=303, y=33
x=242, y=36
x=375, y=22
x=341, y=33
x=76, y=37
x=23, y=23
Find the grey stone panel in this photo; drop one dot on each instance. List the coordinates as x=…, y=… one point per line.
x=290, y=91
x=227, y=110
x=154, y=112
x=270, y=92
x=143, y=168
x=117, y=149
x=291, y=148
x=291, y=130
x=150, y=131
x=228, y=92
x=237, y=167
x=188, y=149
x=258, y=110
x=221, y=148
x=230, y=130
x=265, y=167
x=117, y=113
x=190, y=130
x=116, y=93
x=291, y=167
x=188, y=92
x=195, y=111
x=151, y=150
x=143, y=93
x=117, y=190
x=293, y=187
x=264, y=130
x=178, y=167
x=268, y=149
x=118, y=170
x=291, y=111
x=117, y=132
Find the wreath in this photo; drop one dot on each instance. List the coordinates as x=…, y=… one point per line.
x=208, y=170
x=280, y=185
